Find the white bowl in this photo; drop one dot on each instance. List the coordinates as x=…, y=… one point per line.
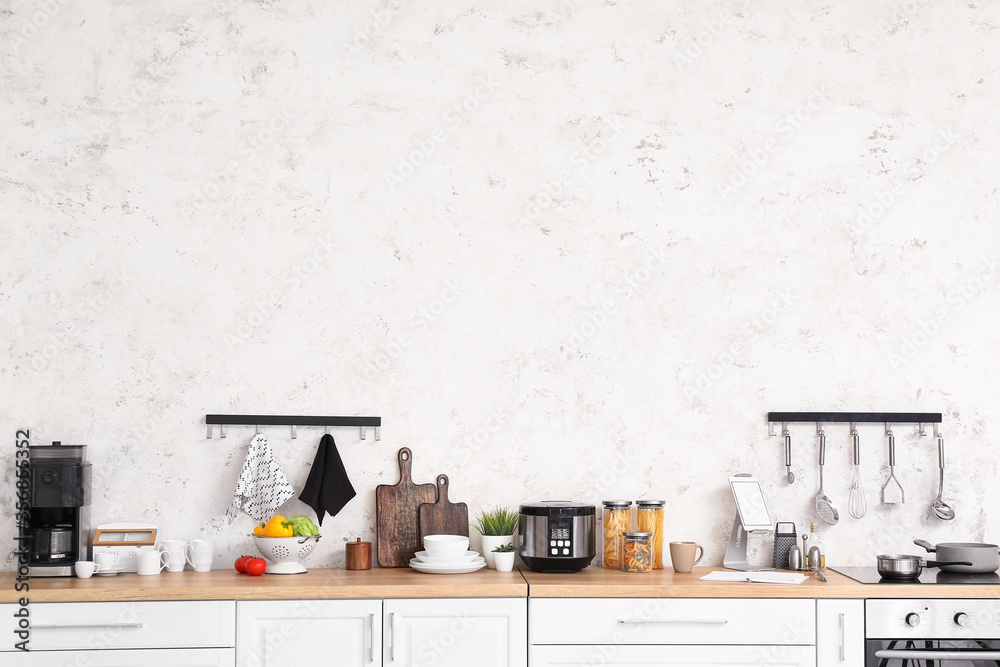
x=446, y=546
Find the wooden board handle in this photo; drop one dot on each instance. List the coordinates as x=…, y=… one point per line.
x=442, y=487
x=405, y=458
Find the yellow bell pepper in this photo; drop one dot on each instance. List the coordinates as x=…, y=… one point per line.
x=279, y=526
x=259, y=530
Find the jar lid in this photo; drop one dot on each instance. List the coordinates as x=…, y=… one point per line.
x=637, y=535
x=650, y=503
x=617, y=504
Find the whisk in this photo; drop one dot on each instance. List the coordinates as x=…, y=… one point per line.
x=856, y=504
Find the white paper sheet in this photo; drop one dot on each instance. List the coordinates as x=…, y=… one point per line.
x=756, y=577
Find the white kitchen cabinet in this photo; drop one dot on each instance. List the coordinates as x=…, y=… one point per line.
x=673, y=656
x=664, y=632
x=707, y=621
x=98, y=626
x=456, y=632
x=297, y=633
x=840, y=633
x=200, y=657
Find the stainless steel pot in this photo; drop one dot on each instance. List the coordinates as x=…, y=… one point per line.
x=903, y=566
x=983, y=557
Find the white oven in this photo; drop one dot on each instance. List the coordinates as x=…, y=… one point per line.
x=932, y=633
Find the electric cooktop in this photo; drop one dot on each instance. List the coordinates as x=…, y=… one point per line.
x=930, y=575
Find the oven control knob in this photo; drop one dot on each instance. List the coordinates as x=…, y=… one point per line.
x=913, y=619
x=962, y=620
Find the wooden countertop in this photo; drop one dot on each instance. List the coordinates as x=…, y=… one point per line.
x=328, y=584
x=598, y=582
x=331, y=584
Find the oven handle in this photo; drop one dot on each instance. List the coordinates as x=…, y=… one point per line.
x=903, y=654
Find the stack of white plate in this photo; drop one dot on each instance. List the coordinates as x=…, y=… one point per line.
x=447, y=554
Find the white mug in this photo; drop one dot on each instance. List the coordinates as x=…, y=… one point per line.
x=106, y=560
x=85, y=569
x=199, y=553
x=177, y=557
x=150, y=561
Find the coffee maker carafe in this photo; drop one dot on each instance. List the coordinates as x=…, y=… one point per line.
x=59, y=524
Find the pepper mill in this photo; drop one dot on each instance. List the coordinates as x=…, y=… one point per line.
x=359, y=555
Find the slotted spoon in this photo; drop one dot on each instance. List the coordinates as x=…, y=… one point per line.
x=856, y=504
x=824, y=506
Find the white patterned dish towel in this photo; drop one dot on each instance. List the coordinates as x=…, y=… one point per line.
x=262, y=487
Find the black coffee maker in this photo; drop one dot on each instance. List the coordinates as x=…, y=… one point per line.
x=58, y=529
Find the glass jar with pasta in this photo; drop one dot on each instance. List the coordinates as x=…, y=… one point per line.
x=617, y=519
x=638, y=555
x=649, y=518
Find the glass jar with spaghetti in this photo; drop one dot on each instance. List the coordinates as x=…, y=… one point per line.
x=617, y=519
x=638, y=556
x=649, y=518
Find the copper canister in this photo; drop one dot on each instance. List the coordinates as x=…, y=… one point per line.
x=359, y=555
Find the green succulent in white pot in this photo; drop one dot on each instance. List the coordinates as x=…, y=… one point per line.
x=497, y=527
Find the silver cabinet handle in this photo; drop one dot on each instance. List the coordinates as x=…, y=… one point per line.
x=681, y=621
x=842, y=638
x=938, y=655
x=371, y=638
x=392, y=636
x=84, y=626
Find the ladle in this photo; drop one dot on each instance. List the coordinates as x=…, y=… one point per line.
x=939, y=507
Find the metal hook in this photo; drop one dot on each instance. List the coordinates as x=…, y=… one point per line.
x=888, y=429
x=326, y=430
x=362, y=432
x=294, y=434
x=209, y=435
x=921, y=430
x=222, y=430
x=258, y=429
x=770, y=429
x=378, y=433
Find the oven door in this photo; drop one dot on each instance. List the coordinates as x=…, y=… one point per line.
x=932, y=653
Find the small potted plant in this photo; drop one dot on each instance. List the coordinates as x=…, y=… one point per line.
x=497, y=528
x=503, y=557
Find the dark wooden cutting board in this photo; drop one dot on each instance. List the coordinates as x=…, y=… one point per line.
x=396, y=515
x=444, y=517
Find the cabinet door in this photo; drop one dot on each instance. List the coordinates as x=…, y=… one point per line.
x=204, y=657
x=297, y=633
x=840, y=633
x=485, y=632
x=674, y=656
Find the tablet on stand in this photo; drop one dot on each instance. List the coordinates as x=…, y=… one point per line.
x=751, y=517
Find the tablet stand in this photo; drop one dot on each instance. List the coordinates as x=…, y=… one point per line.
x=736, y=551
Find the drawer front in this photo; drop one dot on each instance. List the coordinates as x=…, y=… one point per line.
x=199, y=657
x=672, y=621
x=118, y=625
x=673, y=656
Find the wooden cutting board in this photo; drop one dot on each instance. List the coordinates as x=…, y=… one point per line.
x=396, y=515
x=444, y=517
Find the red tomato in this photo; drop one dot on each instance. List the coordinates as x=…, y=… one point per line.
x=256, y=566
x=241, y=564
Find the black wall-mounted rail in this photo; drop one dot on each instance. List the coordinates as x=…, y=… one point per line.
x=858, y=417
x=293, y=421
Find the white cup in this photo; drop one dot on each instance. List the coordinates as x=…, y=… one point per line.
x=85, y=569
x=176, y=550
x=199, y=553
x=150, y=561
x=106, y=560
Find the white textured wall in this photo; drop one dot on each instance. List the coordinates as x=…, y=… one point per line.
x=542, y=240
